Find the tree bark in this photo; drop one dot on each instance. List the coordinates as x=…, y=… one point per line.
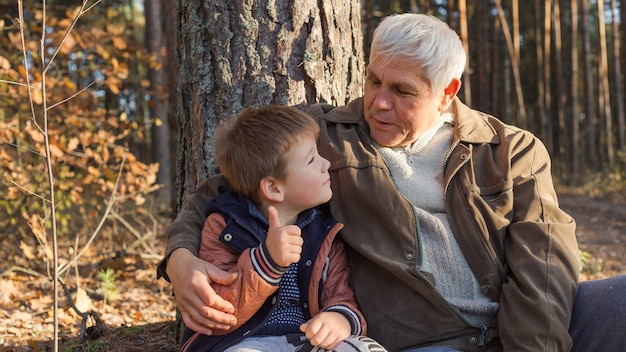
x=561, y=134
x=622, y=21
x=496, y=70
x=480, y=64
x=590, y=111
x=157, y=105
x=521, y=114
x=467, y=86
x=170, y=18
x=604, y=95
x=541, y=85
x=547, y=75
x=574, y=86
x=619, y=83
x=236, y=54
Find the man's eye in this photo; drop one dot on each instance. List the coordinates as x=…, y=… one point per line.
x=406, y=93
x=373, y=80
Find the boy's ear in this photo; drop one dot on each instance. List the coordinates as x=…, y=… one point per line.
x=271, y=189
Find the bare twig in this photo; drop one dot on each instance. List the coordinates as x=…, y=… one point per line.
x=71, y=96
x=141, y=239
x=23, y=148
x=26, y=190
x=67, y=33
x=107, y=211
x=22, y=269
x=20, y=10
x=84, y=315
x=82, y=10
x=15, y=83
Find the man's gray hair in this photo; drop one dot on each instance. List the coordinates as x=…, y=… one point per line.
x=423, y=40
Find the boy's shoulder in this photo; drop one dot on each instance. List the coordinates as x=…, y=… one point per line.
x=229, y=203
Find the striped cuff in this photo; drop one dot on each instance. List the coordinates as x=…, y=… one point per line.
x=265, y=266
x=353, y=318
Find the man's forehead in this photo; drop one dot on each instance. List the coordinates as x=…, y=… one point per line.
x=395, y=71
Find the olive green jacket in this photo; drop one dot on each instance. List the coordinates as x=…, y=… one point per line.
x=504, y=212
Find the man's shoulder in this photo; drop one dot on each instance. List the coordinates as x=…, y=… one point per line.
x=349, y=113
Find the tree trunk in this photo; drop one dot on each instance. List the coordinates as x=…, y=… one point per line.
x=590, y=111
x=560, y=151
x=622, y=21
x=467, y=86
x=515, y=23
x=619, y=83
x=170, y=18
x=237, y=54
x=574, y=86
x=541, y=85
x=521, y=114
x=157, y=105
x=547, y=75
x=450, y=12
x=424, y=6
x=604, y=96
x=496, y=70
x=481, y=25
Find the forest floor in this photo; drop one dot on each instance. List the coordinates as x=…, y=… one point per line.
x=142, y=316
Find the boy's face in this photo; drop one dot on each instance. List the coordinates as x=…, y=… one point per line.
x=307, y=183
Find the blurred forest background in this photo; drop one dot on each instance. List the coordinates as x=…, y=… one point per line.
x=107, y=118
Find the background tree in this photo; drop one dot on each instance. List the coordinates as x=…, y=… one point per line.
x=158, y=103
x=573, y=161
x=604, y=94
x=619, y=79
x=591, y=139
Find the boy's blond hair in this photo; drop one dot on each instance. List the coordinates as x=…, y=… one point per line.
x=253, y=145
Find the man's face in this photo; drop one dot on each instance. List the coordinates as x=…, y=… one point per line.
x=399, y=103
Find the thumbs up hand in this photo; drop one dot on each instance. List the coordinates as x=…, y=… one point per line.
x=284, y=243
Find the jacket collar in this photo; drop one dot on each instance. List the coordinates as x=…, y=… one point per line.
x=471, y=126
x=242, y=208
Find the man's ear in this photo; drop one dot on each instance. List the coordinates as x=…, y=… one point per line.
x=271, y=189
x=449, y=93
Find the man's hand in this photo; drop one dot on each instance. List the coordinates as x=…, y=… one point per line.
x=327, y=329
x=202, y=309
x=284, y=243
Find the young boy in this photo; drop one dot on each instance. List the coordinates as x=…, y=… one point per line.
x=292, y=290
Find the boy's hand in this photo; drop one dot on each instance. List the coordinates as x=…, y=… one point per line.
x=327, y=329
x=284, y=243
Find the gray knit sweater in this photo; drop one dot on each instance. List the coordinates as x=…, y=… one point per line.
x=418, y=173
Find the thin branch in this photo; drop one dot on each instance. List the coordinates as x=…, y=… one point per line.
x=29, y=191
x=67, y=33
x=16, y=83
x=107, y=211
x=80, y=13
x=23, y=148
x=22, y=269
x=20, y=10
x=90, y=7
x=136, y=233
x=71, y=96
